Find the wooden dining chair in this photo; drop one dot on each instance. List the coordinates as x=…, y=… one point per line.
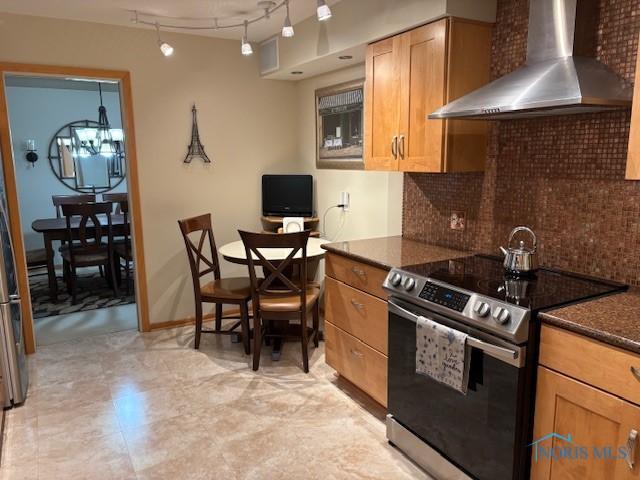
x=117, y=199
x=220, y=291
x=89, y=248
x=59, y=200
x=279, y=297
x=122, y=246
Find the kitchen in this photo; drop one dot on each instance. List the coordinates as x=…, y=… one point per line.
x=528, y=122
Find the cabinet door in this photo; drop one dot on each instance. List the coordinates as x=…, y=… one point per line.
x=594, y=420
x=382, y=106
x=423, y=77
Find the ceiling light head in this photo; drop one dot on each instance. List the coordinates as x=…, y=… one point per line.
x=246, y=46
x=323, y=11
x=287, y=28
x=165, y=48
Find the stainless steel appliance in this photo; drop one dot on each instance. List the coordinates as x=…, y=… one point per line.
x=561, y=74
x=13, y=361
x=520, y=260
x=483, y=434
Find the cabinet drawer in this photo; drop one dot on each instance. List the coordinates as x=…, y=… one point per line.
x=357, y=274
x=357, y=362
x=360, y=314
x=591, y=362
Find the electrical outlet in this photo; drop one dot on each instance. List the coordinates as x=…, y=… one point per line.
x=457, y=221
x=344, y=200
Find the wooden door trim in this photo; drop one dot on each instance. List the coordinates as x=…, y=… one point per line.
x=126, y=105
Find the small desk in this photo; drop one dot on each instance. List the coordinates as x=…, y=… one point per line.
x=235, y=252
x=56, y=229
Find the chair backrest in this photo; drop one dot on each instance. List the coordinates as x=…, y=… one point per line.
x=91, y=231
x=59, y=200
x=276, y=281
x=199, y=263
x=116, y=198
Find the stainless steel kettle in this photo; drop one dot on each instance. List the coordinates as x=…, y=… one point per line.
x=520, y=260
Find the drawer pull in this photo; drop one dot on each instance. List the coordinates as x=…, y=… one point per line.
x=635, y=371
x=356, y=353
x=358, y=305
x=631, y=448
x=359, y=272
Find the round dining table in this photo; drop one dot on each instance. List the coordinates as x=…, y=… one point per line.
x=235, y=252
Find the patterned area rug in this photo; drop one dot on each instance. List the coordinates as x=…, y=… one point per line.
x=92, y=292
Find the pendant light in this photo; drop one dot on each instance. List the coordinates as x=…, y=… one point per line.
x=104, y=142
x=323, y=11
x=246, y=46
x=165, y=48
x=287, y=29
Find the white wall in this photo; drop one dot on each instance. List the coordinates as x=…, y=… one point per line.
x=37, y=113
x=376, y=197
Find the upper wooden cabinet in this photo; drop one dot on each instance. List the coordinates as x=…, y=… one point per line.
x=633, y=156
x=410, y=75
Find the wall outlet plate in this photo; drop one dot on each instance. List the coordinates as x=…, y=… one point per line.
x=344, y=200
x=457, y=221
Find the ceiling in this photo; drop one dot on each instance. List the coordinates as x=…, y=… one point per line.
x=181, y=12
x=59, y=83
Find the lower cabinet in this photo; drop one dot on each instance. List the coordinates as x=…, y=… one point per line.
x=356, y=322
x=582, y=432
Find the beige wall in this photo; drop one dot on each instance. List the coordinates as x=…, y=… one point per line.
x=376, y=197
x=246, y=124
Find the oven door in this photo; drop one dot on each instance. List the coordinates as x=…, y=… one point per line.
x=480, y=433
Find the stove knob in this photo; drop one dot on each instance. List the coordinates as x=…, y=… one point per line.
x=409, y=284
x=481, y=309
x=395, y=279
x=501, y=315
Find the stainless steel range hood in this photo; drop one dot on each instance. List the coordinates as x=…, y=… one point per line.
x=561, y=75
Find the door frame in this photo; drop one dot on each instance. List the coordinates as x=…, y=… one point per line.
x=126, y=106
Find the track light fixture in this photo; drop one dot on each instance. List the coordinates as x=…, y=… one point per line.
x=287, y=29
x=213, y=24
x=246, y=46
x=165, y=48
x=323, y=11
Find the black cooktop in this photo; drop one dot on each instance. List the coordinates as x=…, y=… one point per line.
x=545, y=289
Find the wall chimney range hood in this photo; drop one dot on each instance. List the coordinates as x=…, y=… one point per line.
x=561, y=75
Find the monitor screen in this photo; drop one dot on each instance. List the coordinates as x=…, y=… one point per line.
x=287, y=195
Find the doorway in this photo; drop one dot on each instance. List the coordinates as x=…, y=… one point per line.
x=72, y=144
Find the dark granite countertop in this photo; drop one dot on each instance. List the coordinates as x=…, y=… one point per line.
x=614, y=319
x=389, y=252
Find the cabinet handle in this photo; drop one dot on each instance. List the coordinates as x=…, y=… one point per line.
x=356, y=353
x=359, y=272
x=358, y=305
x=631, y=448
x=394, y=146
x=635, y=371
x=401, y=148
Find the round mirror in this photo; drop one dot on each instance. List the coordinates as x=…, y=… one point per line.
x=85, y=163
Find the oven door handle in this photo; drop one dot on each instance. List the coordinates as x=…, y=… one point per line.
x=512, y=357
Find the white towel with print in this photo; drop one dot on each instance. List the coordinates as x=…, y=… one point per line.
x=442, y=354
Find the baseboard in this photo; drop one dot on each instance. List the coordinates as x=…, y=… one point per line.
x=191, y=320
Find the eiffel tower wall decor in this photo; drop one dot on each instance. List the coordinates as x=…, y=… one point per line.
x=196, y=149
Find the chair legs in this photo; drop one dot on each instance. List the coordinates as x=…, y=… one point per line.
x=304, y=337
x=196, y=342
x=257, y=340
x=316, y=324
x=218, y=317
x=246, y=331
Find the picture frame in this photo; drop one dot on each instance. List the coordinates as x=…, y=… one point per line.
x=340, y=126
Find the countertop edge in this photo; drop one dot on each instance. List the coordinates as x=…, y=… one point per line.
x=369, y=261
x=598, y=335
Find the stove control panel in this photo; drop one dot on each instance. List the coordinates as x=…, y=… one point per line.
x=444, y=296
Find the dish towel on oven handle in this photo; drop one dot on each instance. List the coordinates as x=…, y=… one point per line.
x=442, y=354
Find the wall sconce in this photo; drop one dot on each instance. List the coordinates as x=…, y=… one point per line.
x=31, y=156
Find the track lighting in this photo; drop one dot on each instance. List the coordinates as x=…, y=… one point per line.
x=165, y=48
x=287, y=29
x=324, y=12
x=246, y=46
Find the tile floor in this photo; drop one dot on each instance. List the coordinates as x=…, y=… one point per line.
x=147, y=406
